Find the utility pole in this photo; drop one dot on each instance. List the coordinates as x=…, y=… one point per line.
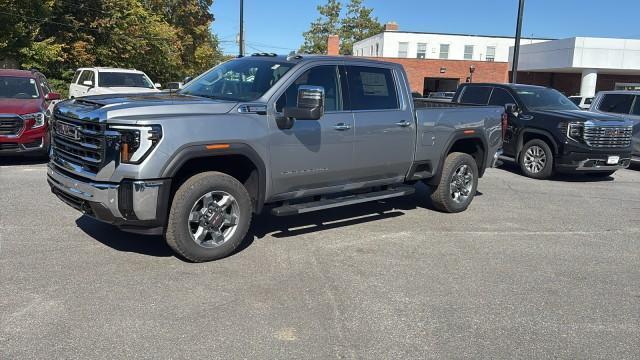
x=516, y=48
x=241, y=36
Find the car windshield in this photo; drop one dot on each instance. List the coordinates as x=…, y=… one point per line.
x=123, y=79
x=545, y=99
x=18, y=88
x=238, y=80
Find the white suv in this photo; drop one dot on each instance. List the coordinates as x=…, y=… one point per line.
x=99, y=80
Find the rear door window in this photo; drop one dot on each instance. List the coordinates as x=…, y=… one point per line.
x=372, y=88
x=501, y=97
x=476, y=95
x=616, y=103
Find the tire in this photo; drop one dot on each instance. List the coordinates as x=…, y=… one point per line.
x=536, y=160
x=209, y=217
x=601, y=174
x=455, y=174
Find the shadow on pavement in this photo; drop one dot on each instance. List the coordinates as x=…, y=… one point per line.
x=265, y=224
x=22, y=160
x=565, y=177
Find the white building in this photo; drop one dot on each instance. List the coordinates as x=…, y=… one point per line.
x=581, y=65
x=393, y=43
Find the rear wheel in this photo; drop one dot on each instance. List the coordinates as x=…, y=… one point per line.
x=458, y=183
x=536, y=159
x=210, y=216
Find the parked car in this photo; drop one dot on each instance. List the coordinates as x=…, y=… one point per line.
x=583, y=102
x=299, y=133
x=625, y=104
x=547, y=132
x=444, y=96
x=101, y=80
x=25, y=99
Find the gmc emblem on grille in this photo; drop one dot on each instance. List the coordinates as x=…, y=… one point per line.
x=614, y=132
x=67, y=130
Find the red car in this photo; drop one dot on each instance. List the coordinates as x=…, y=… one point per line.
x=25, y=101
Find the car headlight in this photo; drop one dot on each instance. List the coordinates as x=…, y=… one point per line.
x=575, y=131
x=136, y=142
x=37, y=118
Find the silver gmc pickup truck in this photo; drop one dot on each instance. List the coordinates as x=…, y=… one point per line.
x=293, y=134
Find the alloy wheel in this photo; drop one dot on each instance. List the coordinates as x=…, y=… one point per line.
x=461, y=184
x=213, y=219
x=535, y=159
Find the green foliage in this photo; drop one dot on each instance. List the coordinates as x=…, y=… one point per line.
x=167, y=39
x=356, y=24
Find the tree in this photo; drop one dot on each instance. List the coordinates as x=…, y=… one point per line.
x=315, y=39
x=357, y=24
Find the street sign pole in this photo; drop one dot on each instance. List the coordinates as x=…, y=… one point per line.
x=516, y=48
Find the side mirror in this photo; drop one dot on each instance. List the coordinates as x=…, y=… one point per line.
x=157, y=85
x=511, y=109
x=310, y=104
x=52, y=96
x=187, y=79
x=88, y=83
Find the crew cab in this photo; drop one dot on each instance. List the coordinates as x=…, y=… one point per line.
x=104, y=80
x=25, y=100
x=290, y=134
x=546, y=132
x=625, y=104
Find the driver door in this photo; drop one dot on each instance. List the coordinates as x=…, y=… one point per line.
x=313, y=157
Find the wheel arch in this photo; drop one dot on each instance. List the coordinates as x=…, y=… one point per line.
x=236, y=159
x=530, y=134
x=473, y=145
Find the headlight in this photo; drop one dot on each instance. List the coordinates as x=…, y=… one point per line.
x=136, y=142
x=38, y=119
x=574, y=131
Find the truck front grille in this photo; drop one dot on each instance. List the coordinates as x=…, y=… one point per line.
x=11, y=125
x=79, y=143
x=607, y=136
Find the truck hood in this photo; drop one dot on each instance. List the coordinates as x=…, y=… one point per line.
x=580, y=115
x=20, y=106
x=140, y=106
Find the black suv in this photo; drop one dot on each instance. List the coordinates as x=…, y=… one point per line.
x=546, y=132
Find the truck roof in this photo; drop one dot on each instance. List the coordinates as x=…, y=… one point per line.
x=16, y=73
x=308, y=57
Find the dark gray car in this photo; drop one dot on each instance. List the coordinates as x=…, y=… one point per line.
x=296, y=134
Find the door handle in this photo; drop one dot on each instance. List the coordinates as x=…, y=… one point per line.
x=342, y=127
x=403, y=123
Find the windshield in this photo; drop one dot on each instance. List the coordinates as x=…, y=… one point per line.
x=545, y=99
x=238, y=80
x=18, y=88
x=122, y=79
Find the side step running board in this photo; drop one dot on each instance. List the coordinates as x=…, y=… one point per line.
x=302, y=208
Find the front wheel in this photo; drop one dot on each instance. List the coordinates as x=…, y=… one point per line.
x=458, y=183
x=536, y=159
x=210, y=216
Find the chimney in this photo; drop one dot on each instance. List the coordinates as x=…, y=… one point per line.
x=333, y=45
x=391, y=26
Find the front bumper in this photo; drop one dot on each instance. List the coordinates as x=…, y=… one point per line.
x=27, y=141
x=591, y=162
x=133, y=205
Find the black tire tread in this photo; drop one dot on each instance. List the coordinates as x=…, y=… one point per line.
x=547, y=172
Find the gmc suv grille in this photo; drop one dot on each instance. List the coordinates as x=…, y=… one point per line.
x=607, y=136
x=10, y=125
x=79, y=143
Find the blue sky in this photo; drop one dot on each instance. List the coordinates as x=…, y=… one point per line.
x=277, y=25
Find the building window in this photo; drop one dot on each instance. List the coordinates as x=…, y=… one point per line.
x=444, y=51
x=422, y=51
x=491, y=53
x=468, y=52
x=403, y=49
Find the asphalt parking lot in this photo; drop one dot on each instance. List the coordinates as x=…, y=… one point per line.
x=534, y=269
